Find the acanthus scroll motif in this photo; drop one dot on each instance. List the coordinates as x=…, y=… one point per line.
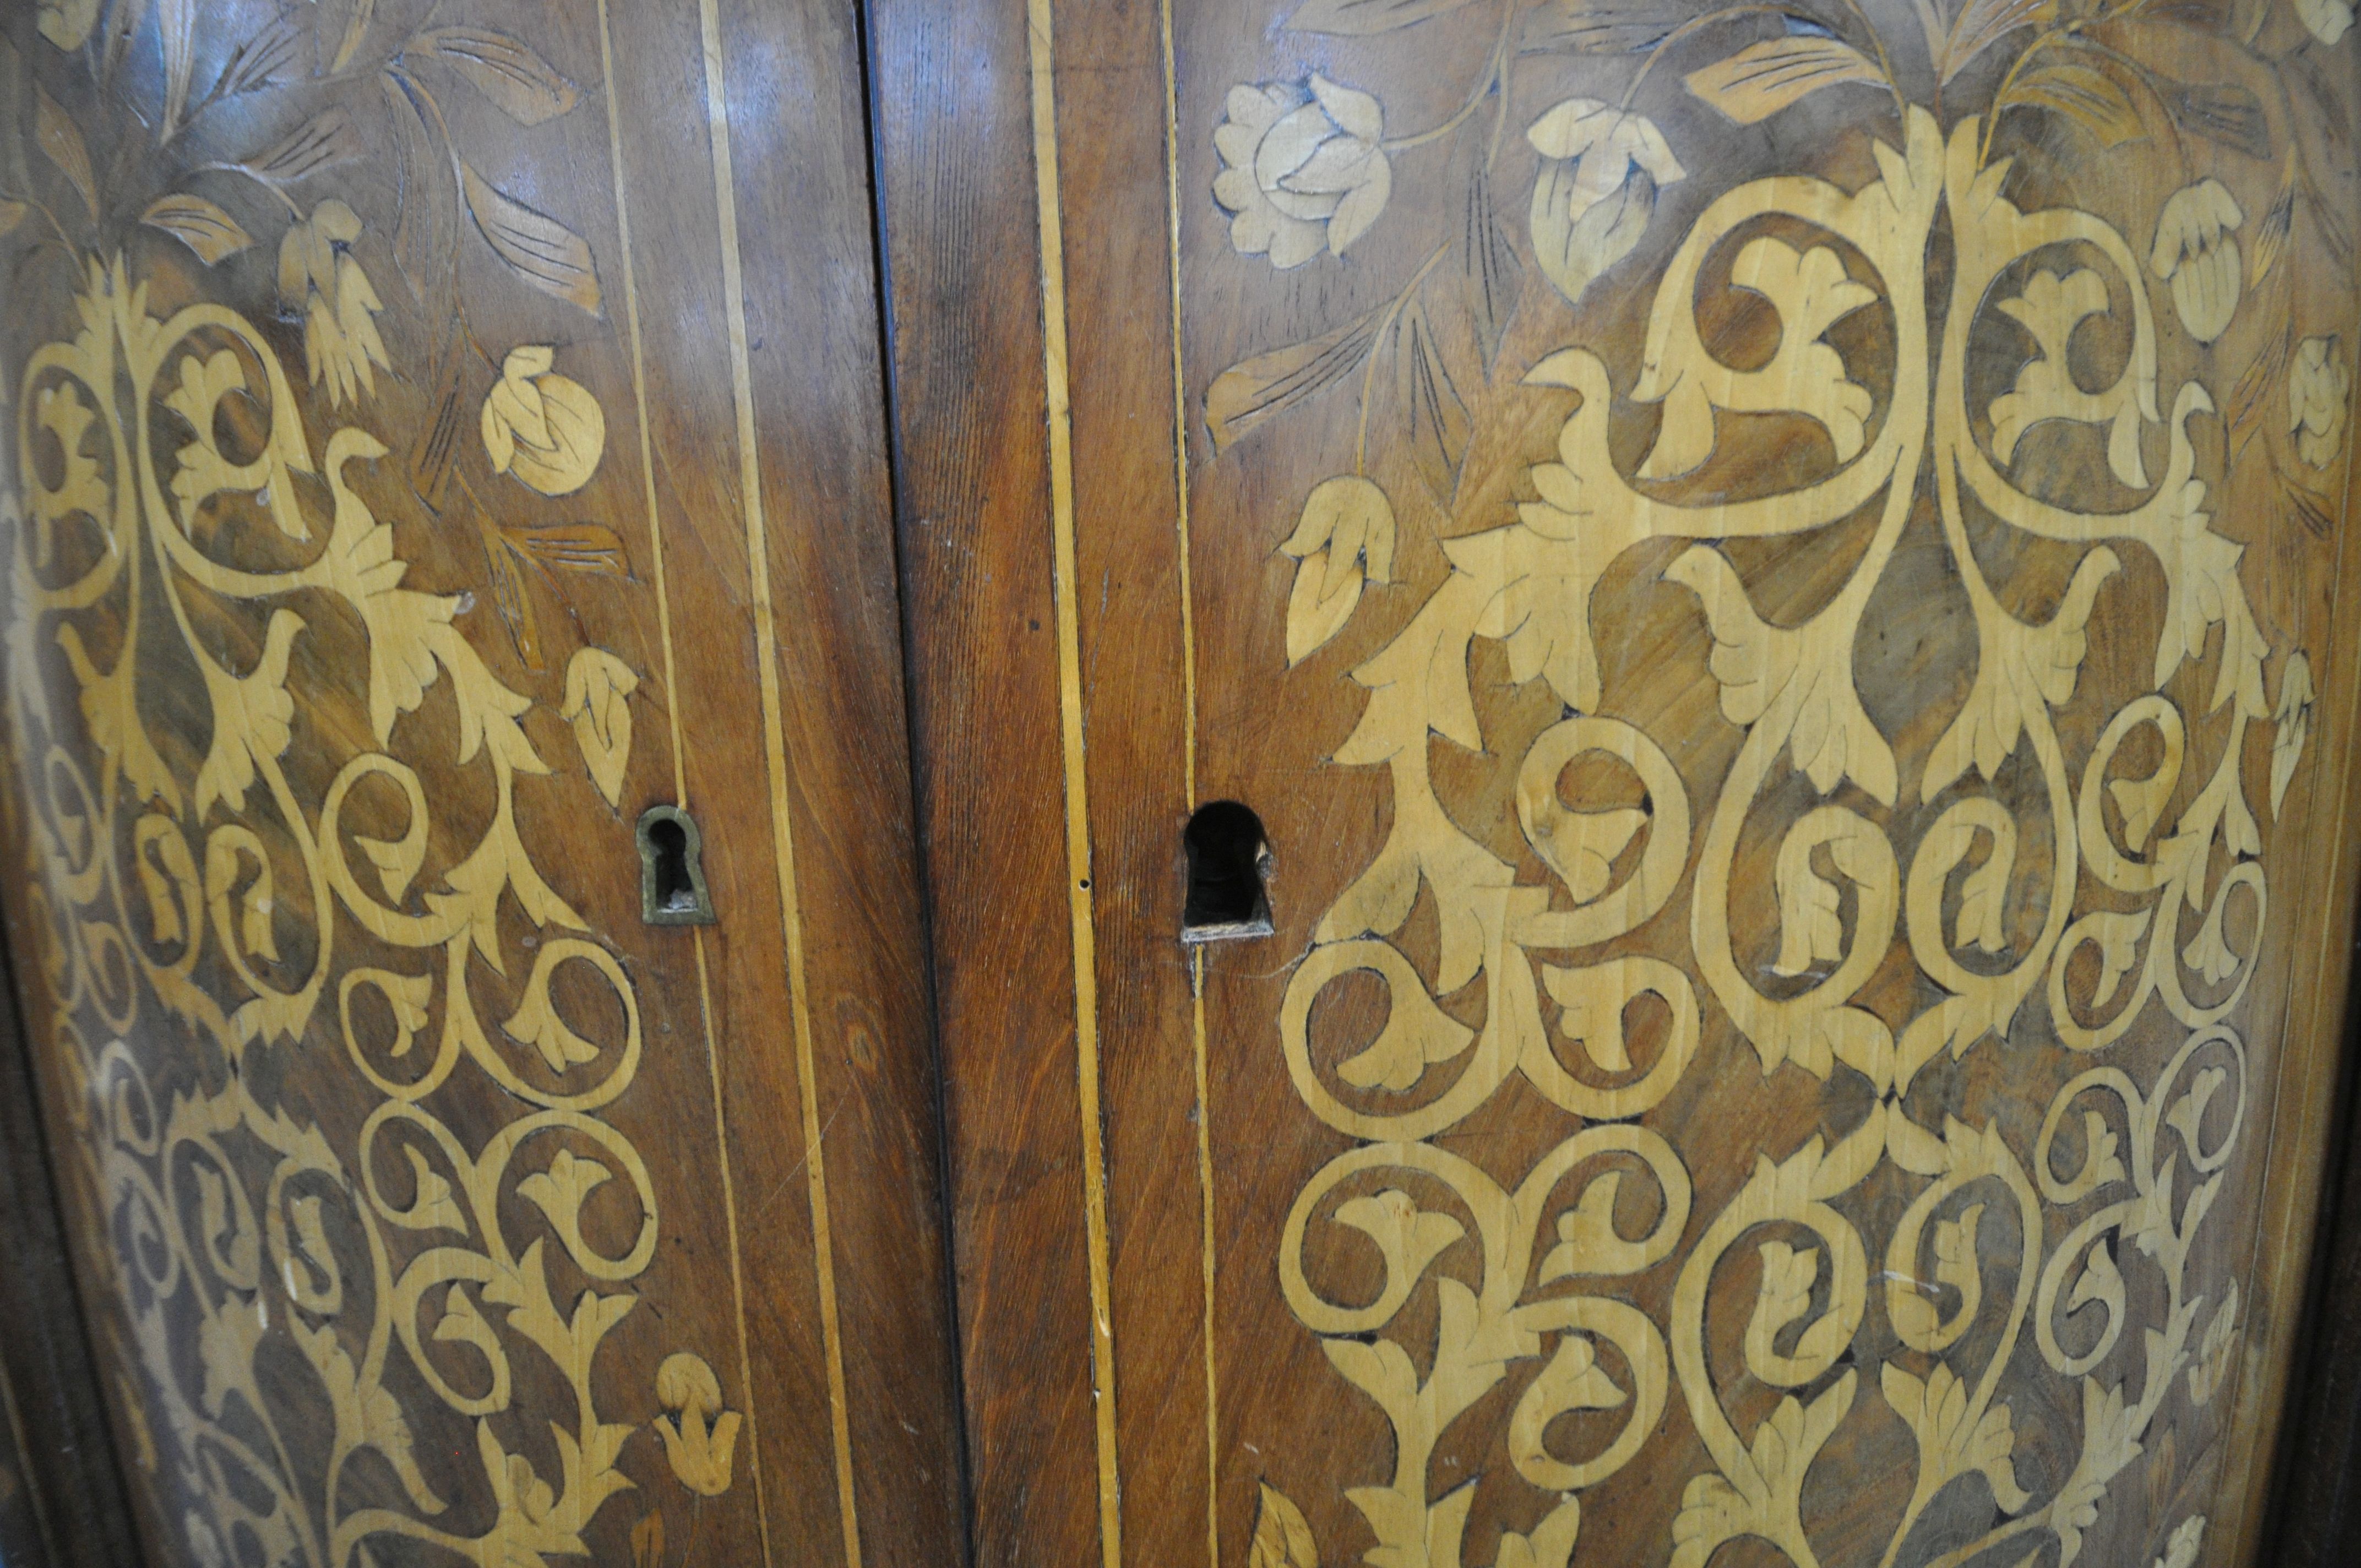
x=287, y=873
x=1930, y=857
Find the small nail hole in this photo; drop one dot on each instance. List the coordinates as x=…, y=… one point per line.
x=1228, y=859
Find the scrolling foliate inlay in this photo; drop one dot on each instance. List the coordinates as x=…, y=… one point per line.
x=2119, y=878
x=299, y=1295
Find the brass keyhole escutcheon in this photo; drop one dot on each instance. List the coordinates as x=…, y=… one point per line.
x=672, y=869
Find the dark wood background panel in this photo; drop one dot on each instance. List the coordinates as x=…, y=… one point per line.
x=805, y=235
x=1135, y=629
x=952, y=130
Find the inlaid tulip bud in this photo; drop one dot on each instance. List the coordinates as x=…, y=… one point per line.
x=322, y=284
x=546, y=430
x=1304, y=170
x=1345, y=541
x=2319, y=386
x=2328, y=20
x=2196, y=250
x=1597, y=189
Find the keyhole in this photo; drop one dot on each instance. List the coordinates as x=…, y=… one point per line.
x=672, y=874
x=1228, y=859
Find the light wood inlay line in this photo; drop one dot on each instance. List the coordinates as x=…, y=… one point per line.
x=1189, y=774
x=766, y=648
x=680, y=781
x=1078, y=816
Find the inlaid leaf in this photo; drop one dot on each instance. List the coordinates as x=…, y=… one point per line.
x=1345, y=539
x=1984, y=23
x=66, y=23
x=258, y=62
x=2082, y=93
x=1255, y=390
x=177, y=22
x=1811, y=929
x=198, y=224
x=2101, y=1281
x=62, y=145
x=433, y=1207
x=2293, y=726
x=527, y=88
x=2115, y=933
x=2222, y=112
x=121, y=25
x=1316, y=611
x=1785, y=1294
x=323, y=141
x=1984, y=899
x=536, y=1023
x=2278, y=222
x=647, y=1541
x=2212, y=1363
x=1764, y=78
x=2252, y=394
x=1492, y=268
x=1361, y=17
x=1574, y=247
x=1410, y=1237
x=2142, y=802
x=426, y=223
x=1597, y=26
x=1433, y=415
x=356, y=26
x=569, y=548
x=11, y=214
x=2309, y=507
x=537, y=248
x=1283, y=1537
x=598, y=687
x=560, y=1191
x=509, y=598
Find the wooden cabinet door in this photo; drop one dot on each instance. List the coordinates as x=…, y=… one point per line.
x=440, y=434
x=1771, y=575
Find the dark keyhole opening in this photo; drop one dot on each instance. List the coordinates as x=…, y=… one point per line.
x=672, y=879
x=672, y=866
x=1228, y=859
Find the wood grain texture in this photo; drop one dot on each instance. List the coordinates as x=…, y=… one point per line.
x=951, y=111
x=1797, y=1023
x=474, y=437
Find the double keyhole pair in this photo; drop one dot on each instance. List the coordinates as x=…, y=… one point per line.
x=1228, y=855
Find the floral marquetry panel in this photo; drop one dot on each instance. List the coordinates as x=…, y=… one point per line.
x=411, y=480
x=1771, y=576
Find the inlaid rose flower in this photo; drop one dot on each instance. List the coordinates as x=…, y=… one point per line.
x=322, y=284
x=2329, y=20
x=1303, y=171
x=2196, y=250
x=546, y=430
x=2319, y=385
x=1597, y=189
